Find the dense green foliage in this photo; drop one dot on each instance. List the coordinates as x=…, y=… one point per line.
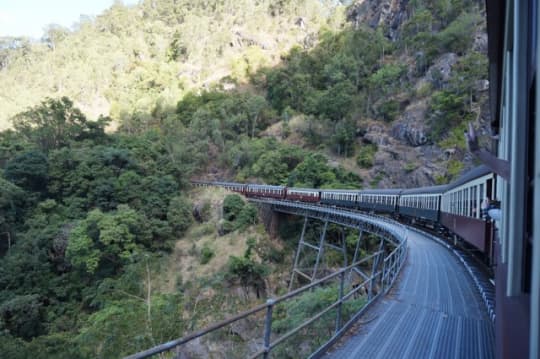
x=83, y=213
x=237, y=214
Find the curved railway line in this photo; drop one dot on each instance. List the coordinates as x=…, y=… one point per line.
x=433, y=311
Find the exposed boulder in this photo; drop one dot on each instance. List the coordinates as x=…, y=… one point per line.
x=481, y=42
x=387, y=13
x=376, y=134
x=410, y=127
x=439, y=73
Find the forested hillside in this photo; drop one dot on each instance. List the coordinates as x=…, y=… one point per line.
x=137, y=61
x=102, y=239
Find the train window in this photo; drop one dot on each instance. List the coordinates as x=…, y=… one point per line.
x=475, y=202
x=460, y=202
x=466, y=202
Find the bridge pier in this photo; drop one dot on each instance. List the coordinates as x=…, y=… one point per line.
x=311, y=274
x=270, y=219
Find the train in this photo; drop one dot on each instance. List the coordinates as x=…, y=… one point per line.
x=454, y=209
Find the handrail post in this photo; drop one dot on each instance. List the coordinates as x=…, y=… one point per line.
x=340, y=299
x=383, y=277
x=268, y=327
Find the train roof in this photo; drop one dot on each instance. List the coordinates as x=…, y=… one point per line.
x=303, y=189
x=425, y=190
x=469, y=176
x=388, y=191
x=340, y=190
x=261, y=186
x=226, y=183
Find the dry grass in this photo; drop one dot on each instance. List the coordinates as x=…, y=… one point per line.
x=185, y=261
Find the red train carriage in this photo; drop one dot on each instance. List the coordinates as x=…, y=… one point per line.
x=461, y=208
x=303, y=195
x=266, y=191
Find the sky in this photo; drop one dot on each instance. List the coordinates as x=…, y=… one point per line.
x=30, y=17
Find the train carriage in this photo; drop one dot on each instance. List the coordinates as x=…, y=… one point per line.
x=232, y=186
x=342, y=198
x=303, y=194
x=461, y=210
x=423, y=203
x=381, y=201
x=514, y=57
x=268, y=191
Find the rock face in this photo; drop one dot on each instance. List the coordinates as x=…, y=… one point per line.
x=388, y=13
x=410, y=127
x=439, y=73
x=404, y=158
x=406, y=155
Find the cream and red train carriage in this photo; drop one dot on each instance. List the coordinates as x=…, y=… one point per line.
x=303, y=194
x=257, y=190
x=461, y=208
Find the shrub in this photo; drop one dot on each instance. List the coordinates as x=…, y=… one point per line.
x=366, y=156
x=388, y=110
x=207, y=253
x=247, y=271
x=246, y=217
x=232, y=206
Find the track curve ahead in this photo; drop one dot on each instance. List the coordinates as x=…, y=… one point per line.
x=433, y=311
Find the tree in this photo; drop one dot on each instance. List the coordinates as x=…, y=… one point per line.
x=55, y=123
x=313, y=172
x=344, y=137
x=54, y=35
x=107, y=240
x=11, y=205
x=179, y=215
x=22, y=316
x=28, y=171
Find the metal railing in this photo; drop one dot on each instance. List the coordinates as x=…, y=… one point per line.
x=381, y=278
